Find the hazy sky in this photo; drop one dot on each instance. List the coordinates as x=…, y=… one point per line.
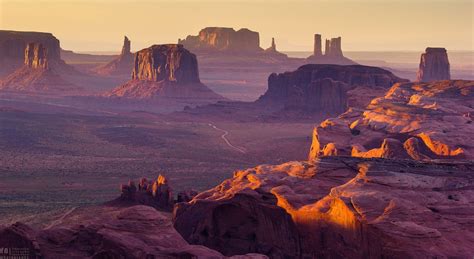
x=87, y=25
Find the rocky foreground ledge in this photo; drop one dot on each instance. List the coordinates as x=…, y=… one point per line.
x=337, y=207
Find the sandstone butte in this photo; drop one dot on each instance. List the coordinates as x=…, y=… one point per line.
x=421, y=121
x=165, y=71
x=41, y=71
x=434, y=65
x=14, y=43
x=332, y=54
x=328, y=89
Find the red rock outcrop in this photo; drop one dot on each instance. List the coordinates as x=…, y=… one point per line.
x=327, y=88
x=332, y=54
x=434, y=65
x=106, y=232
x=122, y=65
x=420, y=121
x=336, y=207
x=165, y=71
x=157, y=194
x=14, y=43
x=40, y=72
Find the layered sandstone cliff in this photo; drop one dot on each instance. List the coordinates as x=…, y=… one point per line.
x=167, y=71
x=41, y=71
x=420, y=121
x=327, y=88
x=332, y=54
x=14, y=43
x=434, y=65
x=122, y=65
x=336, y=207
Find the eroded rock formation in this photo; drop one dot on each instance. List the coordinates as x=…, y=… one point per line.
x=434, y=65
x=337, y=207
x=332, y=54
x=327, y=88
x=14, y=43
x=223, y=39
x=122, y=65
x=40, y=72
x=167, y=71
x=420, y=121
x=157, y=194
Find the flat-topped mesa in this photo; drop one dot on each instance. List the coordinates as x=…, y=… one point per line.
x=36, y=56
x=166, y=63
x=326, y=88
x=434, y=65
x=223, y=39
x=14, y=43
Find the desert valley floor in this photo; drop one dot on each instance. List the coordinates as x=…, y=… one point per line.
x=63, y=161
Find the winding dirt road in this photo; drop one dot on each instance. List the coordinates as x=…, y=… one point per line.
x=223, y=136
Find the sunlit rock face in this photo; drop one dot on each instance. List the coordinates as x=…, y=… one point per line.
x=434, y=65
x=327, y=88
x=14, y=43
x=122, y=65
x=41, y=71
x=223, y=39
x=420, y=121
x=157, y=194
x=169, y=63
x=164, y=71
x=336, y=207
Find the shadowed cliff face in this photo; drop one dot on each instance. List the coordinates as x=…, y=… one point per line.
x=325, y=88
x=434, y=65
x=420, y=121
x=336, y=207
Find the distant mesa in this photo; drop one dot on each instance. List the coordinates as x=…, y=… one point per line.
x=327, y=88
x=419, y=121
x=228, y=41
x=41, y=71
x=333, y=52
x=122, y=65
x=167, y=70
x=434, y=65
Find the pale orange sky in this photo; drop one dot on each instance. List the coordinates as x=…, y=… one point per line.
x=91, y=25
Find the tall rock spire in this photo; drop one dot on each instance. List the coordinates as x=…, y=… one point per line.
x=317, y=45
